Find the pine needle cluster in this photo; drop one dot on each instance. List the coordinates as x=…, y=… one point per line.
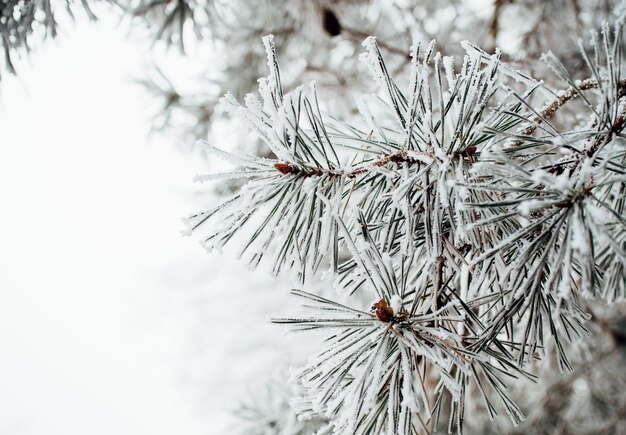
x=476, y=220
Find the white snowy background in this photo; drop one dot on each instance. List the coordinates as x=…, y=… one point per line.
x=111, y=322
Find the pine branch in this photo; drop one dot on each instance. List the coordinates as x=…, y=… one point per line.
x=23, y=20
x=476, y=227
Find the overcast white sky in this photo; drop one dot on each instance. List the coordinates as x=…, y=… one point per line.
x=108, y=319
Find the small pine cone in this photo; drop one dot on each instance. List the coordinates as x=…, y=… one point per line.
x=332, y=26
x=383, y=311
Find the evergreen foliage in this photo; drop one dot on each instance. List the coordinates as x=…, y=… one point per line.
x=23, y=20
x=468, y=202
x=476, y=221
